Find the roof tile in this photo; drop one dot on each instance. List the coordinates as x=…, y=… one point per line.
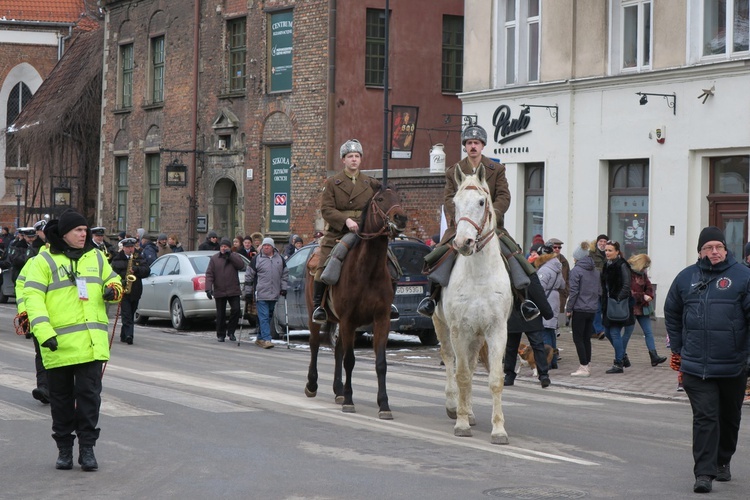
x=59, y=11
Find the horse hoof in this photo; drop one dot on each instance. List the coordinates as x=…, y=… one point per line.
x=462, y=432
x=348, y=409
x=339, y=400
x=385, y=415
x=451, y=413
x=472, y=420
x=309, y=393
x=500, y=439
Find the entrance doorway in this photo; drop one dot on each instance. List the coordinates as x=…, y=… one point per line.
x=226, y=216
x=728, y=200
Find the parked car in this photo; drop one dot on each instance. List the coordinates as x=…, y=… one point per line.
x=412, y=288
x=7, y=287
x=176, y=289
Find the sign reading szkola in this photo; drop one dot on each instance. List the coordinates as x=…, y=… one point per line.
x=280, y=159
x=282, y=28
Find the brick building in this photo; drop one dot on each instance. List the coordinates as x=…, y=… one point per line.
x=33, y=36
x=229, y=116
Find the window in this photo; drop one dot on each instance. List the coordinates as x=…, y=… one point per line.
x=121, y=180
x=453, y=53
x=520, y=37
x=725, y=20
x=628, y=205
x=153, y=191
x=533, y=208
x=375, y=48
x=157, y=69
x=236, y=33
x=636, y=34
x=126, y=76
x=19, y=96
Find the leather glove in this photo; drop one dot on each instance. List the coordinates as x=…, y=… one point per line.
x=50, y=343
x=675, y=362
x=282, y=293
x=210, y=294
x=112, y=292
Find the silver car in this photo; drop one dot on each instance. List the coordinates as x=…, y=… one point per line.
x=176, y=289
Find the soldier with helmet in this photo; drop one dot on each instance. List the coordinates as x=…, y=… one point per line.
x=474, y=139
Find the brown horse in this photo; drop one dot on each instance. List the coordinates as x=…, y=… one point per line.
x=362, y=296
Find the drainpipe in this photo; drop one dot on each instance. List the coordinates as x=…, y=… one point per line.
x=193, y=206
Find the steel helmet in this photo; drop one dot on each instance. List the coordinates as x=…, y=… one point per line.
x=351, y=146
x=474, y=132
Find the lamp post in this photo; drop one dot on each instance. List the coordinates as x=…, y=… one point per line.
x=19, y=192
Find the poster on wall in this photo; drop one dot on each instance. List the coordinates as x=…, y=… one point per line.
x=280, y=161
x=403, y=126
x=281, y=48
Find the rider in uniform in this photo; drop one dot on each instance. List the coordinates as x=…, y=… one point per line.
x=474, y=139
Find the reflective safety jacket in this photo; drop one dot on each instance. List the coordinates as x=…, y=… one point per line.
x=51, y=298
x=21, y=280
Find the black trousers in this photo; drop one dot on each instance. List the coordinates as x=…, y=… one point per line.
x=74, y=399
x=717, y=409
x=224, y=327
x=41, y=373
x=582, y=324
x=511, y=353
x=128, y=306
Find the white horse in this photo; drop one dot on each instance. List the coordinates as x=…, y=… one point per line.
x=475, y=306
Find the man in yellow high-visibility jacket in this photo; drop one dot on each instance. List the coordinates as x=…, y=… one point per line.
x=65, y=295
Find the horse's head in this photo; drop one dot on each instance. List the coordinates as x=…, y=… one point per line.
x=474, y=212
x=384, y=214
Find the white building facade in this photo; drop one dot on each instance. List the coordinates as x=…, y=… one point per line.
x=624, y=117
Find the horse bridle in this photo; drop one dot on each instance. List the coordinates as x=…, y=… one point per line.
x=482, y=239
x=376, y=211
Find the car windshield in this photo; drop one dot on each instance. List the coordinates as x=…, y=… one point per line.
x=410, y=257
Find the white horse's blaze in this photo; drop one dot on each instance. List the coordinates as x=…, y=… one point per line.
x=475, y=307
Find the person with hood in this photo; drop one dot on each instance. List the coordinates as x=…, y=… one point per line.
x=65, y=295
x=211, y=243
x=615, y=281
x=583, y=302
x=223, y=286
x=642, y=292
x=149, y=251
x=267, y=276
x=707, y=315
x=549, y=268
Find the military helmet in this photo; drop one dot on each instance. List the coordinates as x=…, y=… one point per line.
x=351, y=146
x=474, y=132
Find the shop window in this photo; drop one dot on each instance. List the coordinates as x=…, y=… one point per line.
x=375, y=48
x=628, y=205
x=521, y=55
x=533, y=213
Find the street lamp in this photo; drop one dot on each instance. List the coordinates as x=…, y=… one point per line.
x=19, y=192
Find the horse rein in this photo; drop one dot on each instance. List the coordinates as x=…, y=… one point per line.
x=376, y=211
x=482, y=239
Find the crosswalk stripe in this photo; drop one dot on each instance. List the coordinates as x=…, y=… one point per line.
x=115, y=407
x=10, y=411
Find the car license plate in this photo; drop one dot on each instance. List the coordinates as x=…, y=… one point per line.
x=409, y=290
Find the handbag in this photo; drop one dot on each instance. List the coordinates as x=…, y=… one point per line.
x=648, y=309
x=618, y=310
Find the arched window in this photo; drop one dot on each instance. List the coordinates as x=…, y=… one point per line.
x=19, y=96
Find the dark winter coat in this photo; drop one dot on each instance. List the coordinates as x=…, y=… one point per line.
x=149, y=252
x=615, y=281
x=209, y=245
x=536, y=294
x=140, y=270
x=222, y=276
x=707, y=313
x=585, y=287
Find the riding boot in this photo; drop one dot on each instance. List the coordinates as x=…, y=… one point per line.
x=394, y=310
x=319, y=314
x=427, y=306
x=655, y=358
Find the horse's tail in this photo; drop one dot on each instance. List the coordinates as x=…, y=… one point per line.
x=484, y=356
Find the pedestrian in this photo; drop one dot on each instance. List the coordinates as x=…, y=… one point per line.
x=223, y=286
x=643, y=295
x=148, y=250
x=528, y=321
x=247, y=249
x=597, y=254
x=22, y=250
x=549, y=268
x=237, y=243
x=174, y=243
x=290, y=250
x=707, y=314
x=97, y=236
x=474, y=140
x=266, y=279
x=65, y=294
x=615, y=281
x=5, y=237
x=585, y=292
x=557, y=245
x=534, y=252
x=211, y=243
x=162, y=245
x=257, y=238
x=131, y=268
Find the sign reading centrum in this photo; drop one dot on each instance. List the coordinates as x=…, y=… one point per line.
x=282, y=26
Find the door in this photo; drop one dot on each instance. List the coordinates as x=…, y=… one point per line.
x=731, y=217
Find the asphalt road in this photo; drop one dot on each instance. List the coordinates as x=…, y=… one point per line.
x=186, y=417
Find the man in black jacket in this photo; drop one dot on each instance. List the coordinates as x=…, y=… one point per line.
x=707, y=314
x=138, y=270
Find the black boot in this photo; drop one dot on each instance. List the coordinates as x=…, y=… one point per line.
x=319, y=314
x=86, y=458
x=41, y=394
x=655, y=358
x=394, y=313
x=427, y=306
x=616, y=367
x=625, y=361
x=64, y=458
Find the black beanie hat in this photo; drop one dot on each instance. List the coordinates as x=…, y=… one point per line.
x=711, y=233
x=602, y=237
x=69, y=220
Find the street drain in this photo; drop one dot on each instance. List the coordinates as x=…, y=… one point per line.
x=537, y=493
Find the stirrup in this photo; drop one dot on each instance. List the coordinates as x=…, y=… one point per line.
x=426, y=307
x=320, y=316
x=394, y=313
